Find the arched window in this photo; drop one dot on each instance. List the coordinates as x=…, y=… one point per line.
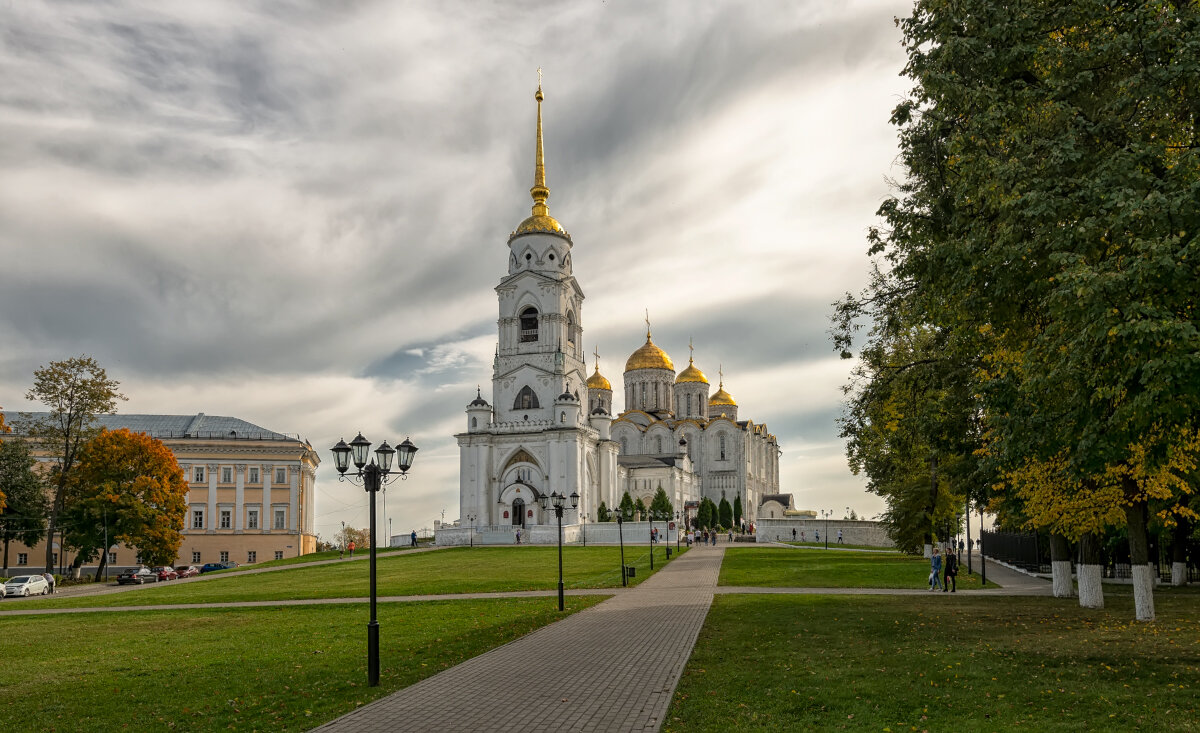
x=527, y=400
x=562, y=416
x=624, y=446
x=658, y=444
x=644, y=404
x=722, y=440
x=571, y=329
x=474, y=422
x=529, y=324
x=689, y=407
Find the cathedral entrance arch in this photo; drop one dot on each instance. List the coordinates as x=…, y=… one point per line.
x=518, y=513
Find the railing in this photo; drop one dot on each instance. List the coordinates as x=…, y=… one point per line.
x=1031, y=551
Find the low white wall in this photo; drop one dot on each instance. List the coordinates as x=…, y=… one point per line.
x=547, y=534
x=854, y=531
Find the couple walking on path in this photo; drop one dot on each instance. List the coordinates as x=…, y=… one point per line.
x=943, y=571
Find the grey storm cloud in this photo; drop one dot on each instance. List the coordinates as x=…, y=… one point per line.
x=296, y=212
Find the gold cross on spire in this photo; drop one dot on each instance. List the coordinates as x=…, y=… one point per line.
x=721, y=372
x=647, y=324
x=691, y=350
x=596, y=353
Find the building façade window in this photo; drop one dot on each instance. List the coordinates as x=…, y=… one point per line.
x=526, y=399
x=571, y=330
x=529, y=325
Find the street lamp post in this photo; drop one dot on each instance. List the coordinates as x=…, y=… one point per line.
x=558, y=503
x=982, y=559
x=373, y=475
x=827, y=513
x=650, y=516
x=471, y=528
x=677, y=514
x=621, y=538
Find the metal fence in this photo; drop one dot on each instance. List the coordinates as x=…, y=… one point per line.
x=1030, y=551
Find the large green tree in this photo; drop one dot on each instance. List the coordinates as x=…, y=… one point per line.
x=626, y=506
x=74, y=392
x=660, y=506
x=1046, y=232
x=724, y=513
x=126, y=487
x=24, y=518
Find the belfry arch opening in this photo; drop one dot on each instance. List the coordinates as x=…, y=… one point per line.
x=529, y=325
x=526, y=399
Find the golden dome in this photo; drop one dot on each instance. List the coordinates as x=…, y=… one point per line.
x=649, y=356
x=540, y=224
x=691, y=374
x=597, y=381
x=721, y=398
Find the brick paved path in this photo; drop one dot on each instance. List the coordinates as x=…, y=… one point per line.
x=612, y=667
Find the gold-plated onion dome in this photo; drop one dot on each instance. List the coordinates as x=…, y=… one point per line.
x=597, y=381
x=649, y=356
x=691, y=373
x=721, y=398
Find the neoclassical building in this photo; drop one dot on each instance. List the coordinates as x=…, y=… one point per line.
x=251, y=491
x=549, y=427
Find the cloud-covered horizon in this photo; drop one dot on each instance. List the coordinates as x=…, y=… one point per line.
x=296, y=213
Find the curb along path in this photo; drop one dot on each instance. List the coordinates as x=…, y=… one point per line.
x=610, y=667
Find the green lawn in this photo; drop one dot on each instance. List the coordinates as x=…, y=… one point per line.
x=777, y=567
x=454, y=570
x=926, y=663
x=835, y=546
x=286, y=668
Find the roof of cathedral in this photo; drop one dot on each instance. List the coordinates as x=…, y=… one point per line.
x=691, y=374
x=649, y=356
x=479, y=401
x=785, y=499
x=177, y=426
x=540, y=221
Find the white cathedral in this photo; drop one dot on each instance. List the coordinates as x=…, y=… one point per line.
x=550, y=427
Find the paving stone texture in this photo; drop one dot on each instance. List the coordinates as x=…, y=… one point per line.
x=612, y=667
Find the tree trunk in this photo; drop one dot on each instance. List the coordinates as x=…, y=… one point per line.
x=1091, y=592
x=1139, y=558
x=6, y=557
x=1179, y=538
x=102, y=565
x=1060, y=566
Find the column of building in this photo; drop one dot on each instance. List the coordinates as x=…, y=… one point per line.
x=239, y=498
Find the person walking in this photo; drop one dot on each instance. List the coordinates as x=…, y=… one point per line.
x=413, y=537
x=839, y=536
x=351, y=548
x=935, y=570
x=793, y=534
x=818, y=535
x=731, y=535
x=951, y=571
x=518, y=536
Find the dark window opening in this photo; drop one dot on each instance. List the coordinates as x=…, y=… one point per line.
x=526, y=400
x=529, y=325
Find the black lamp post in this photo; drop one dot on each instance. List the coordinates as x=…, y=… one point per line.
x=650, y=517
x=982, y=560
x=558, y=503
x=677, y=515
x=621, y=538
x=471, y=528
x=373, y=475
x=827, y=513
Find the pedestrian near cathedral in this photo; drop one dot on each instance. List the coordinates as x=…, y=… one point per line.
x=793, y=534
x=351, y=548
x=49, y=579
x=413, y=537
x=935, y=570
x=951, y=571
x=839, y=536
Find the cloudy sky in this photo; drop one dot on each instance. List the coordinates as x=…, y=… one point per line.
x=295, y=213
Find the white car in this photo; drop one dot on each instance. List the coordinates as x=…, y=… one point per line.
x=26, y=585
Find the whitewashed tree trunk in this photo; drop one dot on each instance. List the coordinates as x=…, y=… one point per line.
x=1061, y=574
x=1091, y=592
x=1178, y=573
x=1143, y=592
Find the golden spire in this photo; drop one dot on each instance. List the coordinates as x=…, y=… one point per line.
x=596, y=353
x=691, y=350
x=647, y=324
x=539, y=192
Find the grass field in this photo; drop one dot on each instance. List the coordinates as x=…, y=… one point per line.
x=454, y=570
x=940, y=664
x=286, y=668
x=777, y=567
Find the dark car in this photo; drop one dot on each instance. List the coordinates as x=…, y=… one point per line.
x=228, y=564
x=187, y=571
x=165, y=572
x=137, y=576
x=208, y=567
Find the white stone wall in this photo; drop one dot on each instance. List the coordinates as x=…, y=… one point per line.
x=854, y=532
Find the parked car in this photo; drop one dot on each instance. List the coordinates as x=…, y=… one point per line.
x=26, y=585
x=228, y=564
x=187, y=571
x=137, y=576
x=165, y=572
x=208, y=567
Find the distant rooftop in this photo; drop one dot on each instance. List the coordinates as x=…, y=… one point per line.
x=173, y=426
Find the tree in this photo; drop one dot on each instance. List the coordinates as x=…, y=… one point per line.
x=74, y=391
x=125, y=487
x=626, y=506
x=602, y=513
x=4, y=428
x=360, y=537
x=660, y=505
x=724, y=513
x=24, y=519
x=705, y=514
x=737, y=510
